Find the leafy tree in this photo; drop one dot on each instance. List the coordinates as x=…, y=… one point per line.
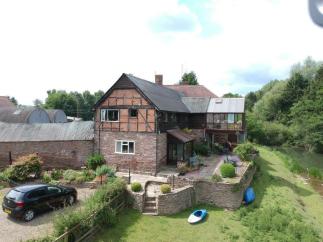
x=250, y=100
x=73, y=103
x=229, y=94
x=14, y=101
x=38, y=103
x=189, y=78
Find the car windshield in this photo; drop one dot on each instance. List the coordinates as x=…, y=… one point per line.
x=15, y=195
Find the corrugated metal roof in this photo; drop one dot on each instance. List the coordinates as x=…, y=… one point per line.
x=164, y=98
x=226, y=105
x=5, y=102
x=46, y=132
x=192, y=90
x=56, y=115
x=181, y=135
x=196, y=104
x=23, y=114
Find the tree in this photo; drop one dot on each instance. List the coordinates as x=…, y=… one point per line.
x=229, y=94
x=250, y=100
x=189, y=78
x=14, y=101
x=38, y=103
x=73, y=103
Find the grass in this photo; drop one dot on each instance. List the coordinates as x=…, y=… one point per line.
x=286, y=209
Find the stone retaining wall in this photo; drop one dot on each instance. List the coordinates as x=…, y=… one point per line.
x=175, y=201
x=138, y=199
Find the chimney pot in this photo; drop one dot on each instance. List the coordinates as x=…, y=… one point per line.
x=159, y=79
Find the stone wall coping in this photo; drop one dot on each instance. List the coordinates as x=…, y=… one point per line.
x=177, y=190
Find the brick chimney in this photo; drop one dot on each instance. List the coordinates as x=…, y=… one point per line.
x=159, y=79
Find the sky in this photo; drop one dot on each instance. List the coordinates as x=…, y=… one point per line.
x=76, y=45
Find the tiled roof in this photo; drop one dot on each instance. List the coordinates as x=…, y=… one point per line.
x=163, y=98
x=192, y=90
x=196, y=104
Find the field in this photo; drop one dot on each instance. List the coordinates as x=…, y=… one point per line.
x=286, y=209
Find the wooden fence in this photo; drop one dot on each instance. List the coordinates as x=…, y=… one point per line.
x=78, y=234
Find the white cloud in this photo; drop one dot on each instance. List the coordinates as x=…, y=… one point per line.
x=79, y=45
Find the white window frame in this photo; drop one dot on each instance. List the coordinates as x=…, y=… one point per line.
x=127, y=141
x=106, y=111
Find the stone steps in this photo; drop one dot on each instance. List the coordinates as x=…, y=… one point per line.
x=150, y=207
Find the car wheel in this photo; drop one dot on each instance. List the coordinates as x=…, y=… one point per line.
x=29, y=215
x=70, y=200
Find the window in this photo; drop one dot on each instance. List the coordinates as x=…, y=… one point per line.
x=230, y=118
x=125, y=147
x=37, y=193
x=109, y=115
x=133, y=113
x=53, y=190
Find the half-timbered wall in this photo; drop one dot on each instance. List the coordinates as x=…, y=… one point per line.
x=124, y=100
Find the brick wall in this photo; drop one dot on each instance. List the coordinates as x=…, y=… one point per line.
x=144, y=159
x=55, y=154
x=161, y=150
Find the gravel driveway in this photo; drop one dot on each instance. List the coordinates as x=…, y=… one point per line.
x=16, y=230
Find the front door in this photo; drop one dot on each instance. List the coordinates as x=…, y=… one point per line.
x=172, y=154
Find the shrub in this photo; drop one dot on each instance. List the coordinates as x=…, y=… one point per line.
x=136, y=187
x=88, y=175
x=95, y=203
x=245, y=151
x=315, y=172
x=227, y=170
x=94, y=161
x=201, y=149
x=46, y=177
x=70, y=175
x=182, y=168
x=217, y=148
x=277, y=224
x=104, y=170
x=216, y=178
x=56, y=174
x=25, y=166
x=165, y=188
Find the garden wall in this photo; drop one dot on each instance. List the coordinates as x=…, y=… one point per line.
x=54, y=154
x=138, y=199
x=221, y=194
x=176, y=201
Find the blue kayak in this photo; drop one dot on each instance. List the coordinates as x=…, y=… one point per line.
x=197, y=216
x=249, y=195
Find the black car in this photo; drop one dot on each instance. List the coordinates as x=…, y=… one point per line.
x=28, y=200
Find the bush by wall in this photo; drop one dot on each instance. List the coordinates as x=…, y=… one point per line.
x=136, y=187
x=201, y=149
x=165, y=188
x=24, y=167
x=94, y=161
x=246, y=151
x=97, y=204
x=227, y=170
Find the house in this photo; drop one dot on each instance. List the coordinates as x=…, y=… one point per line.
x=143, y=125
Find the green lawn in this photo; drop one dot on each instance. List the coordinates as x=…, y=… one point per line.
x=284, y=207
x=306, y=159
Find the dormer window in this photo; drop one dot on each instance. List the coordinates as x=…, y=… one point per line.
x=109, y=115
